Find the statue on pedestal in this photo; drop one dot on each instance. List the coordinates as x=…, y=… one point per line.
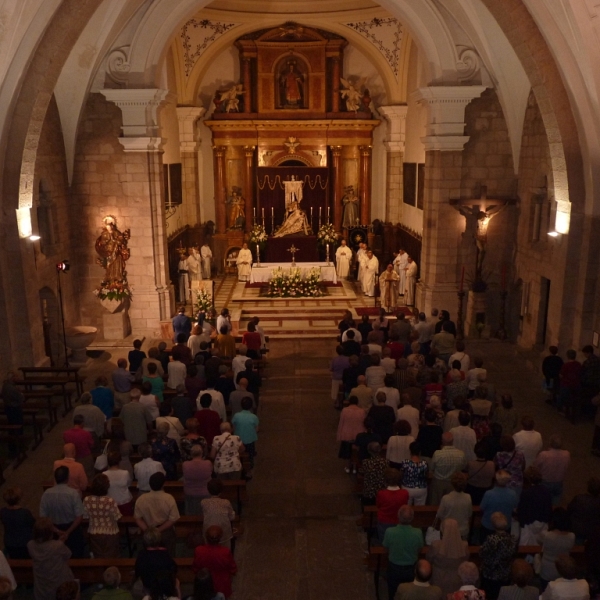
x=350, y=201
x=230, y=98
x=112, y=248
x=295, y=222
x=237, y=214
x=291, y=83
x=351, y=94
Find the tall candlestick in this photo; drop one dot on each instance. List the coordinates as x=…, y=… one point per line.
x=462, y=279
x=263, y=214
x=255, y=215
x=328, y=213
x=320, y=209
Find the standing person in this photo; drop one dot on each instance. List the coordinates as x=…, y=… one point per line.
x=553, y=464
x=182, y=325
x=414, y=476
x=388, y=285
x=225, y=453
x=83, y=441
x=206, y=254
x=218, y=511
x=558, y=540
x=225, y=344
x=136, y=420
x=244, y=263
x=373, y=468
x=570, y=383
x=343, y=258
x=352, y=419
x=217, y=559
x=144, y=469
x=506, y=415
x=153, y=560
x=584, y=511
x=443, y=342
x=480, y=472
x=513, y=461
x=444, y=463
x=398, y=446
x=156, y=381
x=457, y=505
x=469, y=577
x=464, y=436
x=149, y=401
x=120, y=480
x=183, y=277
x=93, y=418
x=166, y=451
x=103, y=397
x=252, y=340
x=420, y=588
x=411, y=282
x=521, y=574
x=50, y=561
x=567, y=585
x=528, y=441
x=135, y=357
x=498, y=499
x=551, y=366
x=400, y=265
x=430, y=434
x=18, y=524
x=389, y=501
x=77, y=478
x=370, y=272
x=425, y=331
x=245, y=424
x=337, y=366
x=104, y=514
x=209, y=421
x=197, y=472
x=224, y=320
x=535, y=508
x=122, y=380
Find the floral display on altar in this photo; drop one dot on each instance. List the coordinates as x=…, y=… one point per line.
x=258, y=235
x=327, y=234
x=292, y=285
x=203, y=303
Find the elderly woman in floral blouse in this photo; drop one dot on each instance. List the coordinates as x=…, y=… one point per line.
x=225, y=452
x=374, y=474
x=512, y=460
x=103, y=513
x=469, y=575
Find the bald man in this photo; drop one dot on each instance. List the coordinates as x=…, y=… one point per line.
x=77, y=478
x=444, y=463
x=363, y=393
x=420, y=588
x=217, y=559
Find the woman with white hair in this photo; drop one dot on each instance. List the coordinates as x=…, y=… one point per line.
x=469, y=576
x=166, y=451
x=225, y=452
x=111, y=591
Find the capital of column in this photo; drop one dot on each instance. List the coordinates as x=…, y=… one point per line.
x=219, y=151
x=365, y=150
x=446, y=120
x=336, y=150
x=396, y=119
x=187, y=117
x=249, y=151
x=139, y=108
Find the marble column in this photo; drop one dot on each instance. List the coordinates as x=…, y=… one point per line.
x=394, y=145
x=442, y=224
x=220, y=187
x=249, y=185
x=364, y=185
x=338, y=191
x=189, y=144
x=147, y=268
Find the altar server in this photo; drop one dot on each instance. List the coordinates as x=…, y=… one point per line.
x=388, y=285
x=371, y=270
x=184, y=280
x=360, y=255
x=206, y=254
x=411, y=282
x=194, y=262
x=343, y=257
x=244, y=263
x=400, y=264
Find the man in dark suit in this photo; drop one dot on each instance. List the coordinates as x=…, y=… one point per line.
x=181, y=324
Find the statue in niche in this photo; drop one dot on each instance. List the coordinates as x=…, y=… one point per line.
x=112, y=249
x=230, y=98
x=350, y=202
x=291, y=86
x=237, y=214
x=351, y=93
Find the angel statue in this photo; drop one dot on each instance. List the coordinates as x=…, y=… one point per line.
x=230, y=98
x=352, y=94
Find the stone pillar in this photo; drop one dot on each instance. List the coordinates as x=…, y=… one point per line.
x=188, y=147
x=364, y=177
x=338, y=192
x=395, y=145
x=220, y=187
x=247, y=85
x=249, y=185
x=442, y=224
x=142, y=189
x=335, y=99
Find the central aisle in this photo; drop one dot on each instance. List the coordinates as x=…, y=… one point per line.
x=300, y=538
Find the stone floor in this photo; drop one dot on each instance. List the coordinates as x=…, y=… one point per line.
x=300, y=539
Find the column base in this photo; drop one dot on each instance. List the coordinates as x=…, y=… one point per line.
x=475, y=319
x=116, y=326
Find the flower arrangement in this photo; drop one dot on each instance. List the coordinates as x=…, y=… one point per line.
x=327, y=234
x=292, y=285
x=114, y=289
x=203, y=303
x=258, y=235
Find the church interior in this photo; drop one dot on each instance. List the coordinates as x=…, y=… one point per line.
x=139, y=134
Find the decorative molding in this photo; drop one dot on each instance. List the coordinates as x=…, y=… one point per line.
x=141, y=144
x=468, y=65
x=189, y=136
x=117, y=65
x=396, y=119
x=196, y=36
x=386, y=35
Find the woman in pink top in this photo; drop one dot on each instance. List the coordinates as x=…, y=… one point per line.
x=352, y=422
x=196, y=475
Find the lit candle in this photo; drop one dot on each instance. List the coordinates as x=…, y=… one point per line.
x=272, y=212
x=263, y=214
x=462, y=279
x=255, y=215
x=327, y=246
x=257, y=252
x=328, y=212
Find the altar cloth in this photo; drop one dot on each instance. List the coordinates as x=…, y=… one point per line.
x=263, y=273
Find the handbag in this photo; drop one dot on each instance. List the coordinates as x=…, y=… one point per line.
x=432, y=535
x=101, y=462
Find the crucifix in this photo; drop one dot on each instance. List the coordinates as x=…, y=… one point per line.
x=482, y=210
x=293, y=250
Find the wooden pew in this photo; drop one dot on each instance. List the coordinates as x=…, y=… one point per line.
x=90, y=570
x=70, y=372
x=58, y=385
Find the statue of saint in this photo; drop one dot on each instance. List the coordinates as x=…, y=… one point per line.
x=352, y=94
x=292, y=86
x=112, y=248
x=350, y=201
x=230, y=98
x=295, y=222
x=293, y=191
x=237, y=214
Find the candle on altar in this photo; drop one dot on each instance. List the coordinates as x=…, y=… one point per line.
x=255, y=215
x=462, y=279
x=327, y=246
x=328, y=213
x=257, y=252
x=272, y=212
x=263, y=214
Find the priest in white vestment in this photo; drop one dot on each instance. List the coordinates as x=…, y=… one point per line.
x=194, y=262
x=400, y=264
x=361, y=256
x=370, y=270
x=343, y=258
x=388, y=286
x=206, y=254
x=411, y=282
x=244, y=263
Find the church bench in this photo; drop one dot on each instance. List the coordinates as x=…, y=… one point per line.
x=14, y=435
x=43, y=400
x=70, y=372
x=377, y=558
x=90, y=570
x=58, y=385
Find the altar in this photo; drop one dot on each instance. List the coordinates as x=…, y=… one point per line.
x=277, y=248
x=263, y=273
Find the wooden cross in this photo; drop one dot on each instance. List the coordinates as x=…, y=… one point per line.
x=293, y=250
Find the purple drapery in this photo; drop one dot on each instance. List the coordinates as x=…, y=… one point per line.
x=271, y=194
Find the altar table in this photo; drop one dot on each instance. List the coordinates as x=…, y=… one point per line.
x=263, y=273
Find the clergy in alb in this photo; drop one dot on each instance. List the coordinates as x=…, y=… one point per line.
x=371, y=270
x=244, y=263
x=400, y=264
x=411, y=282
x=194, y=262
x=343, y=258
x=361, y=256
x=206, y=254
x=388, y=285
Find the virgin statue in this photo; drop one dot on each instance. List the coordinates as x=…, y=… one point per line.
x=112, y=248
x=237, y=215
x=350, y=202
x=295, y=222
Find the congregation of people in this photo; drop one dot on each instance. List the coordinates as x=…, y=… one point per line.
x=181, y=416
x=426, y=432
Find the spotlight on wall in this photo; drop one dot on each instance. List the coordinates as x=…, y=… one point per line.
x=553, y=234
x=34, y=238
x=63, y=266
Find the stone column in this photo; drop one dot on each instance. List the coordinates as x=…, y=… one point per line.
x=220, y=187
x=395, y=145
x=335, y=99
x=142, y=193
x=188, y=147
x=338, y=192
x=442, y=224
x=247, y=85
x=364, y=177
x=249, y=185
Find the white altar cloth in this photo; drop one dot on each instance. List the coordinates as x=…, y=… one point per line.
x=263, y=273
